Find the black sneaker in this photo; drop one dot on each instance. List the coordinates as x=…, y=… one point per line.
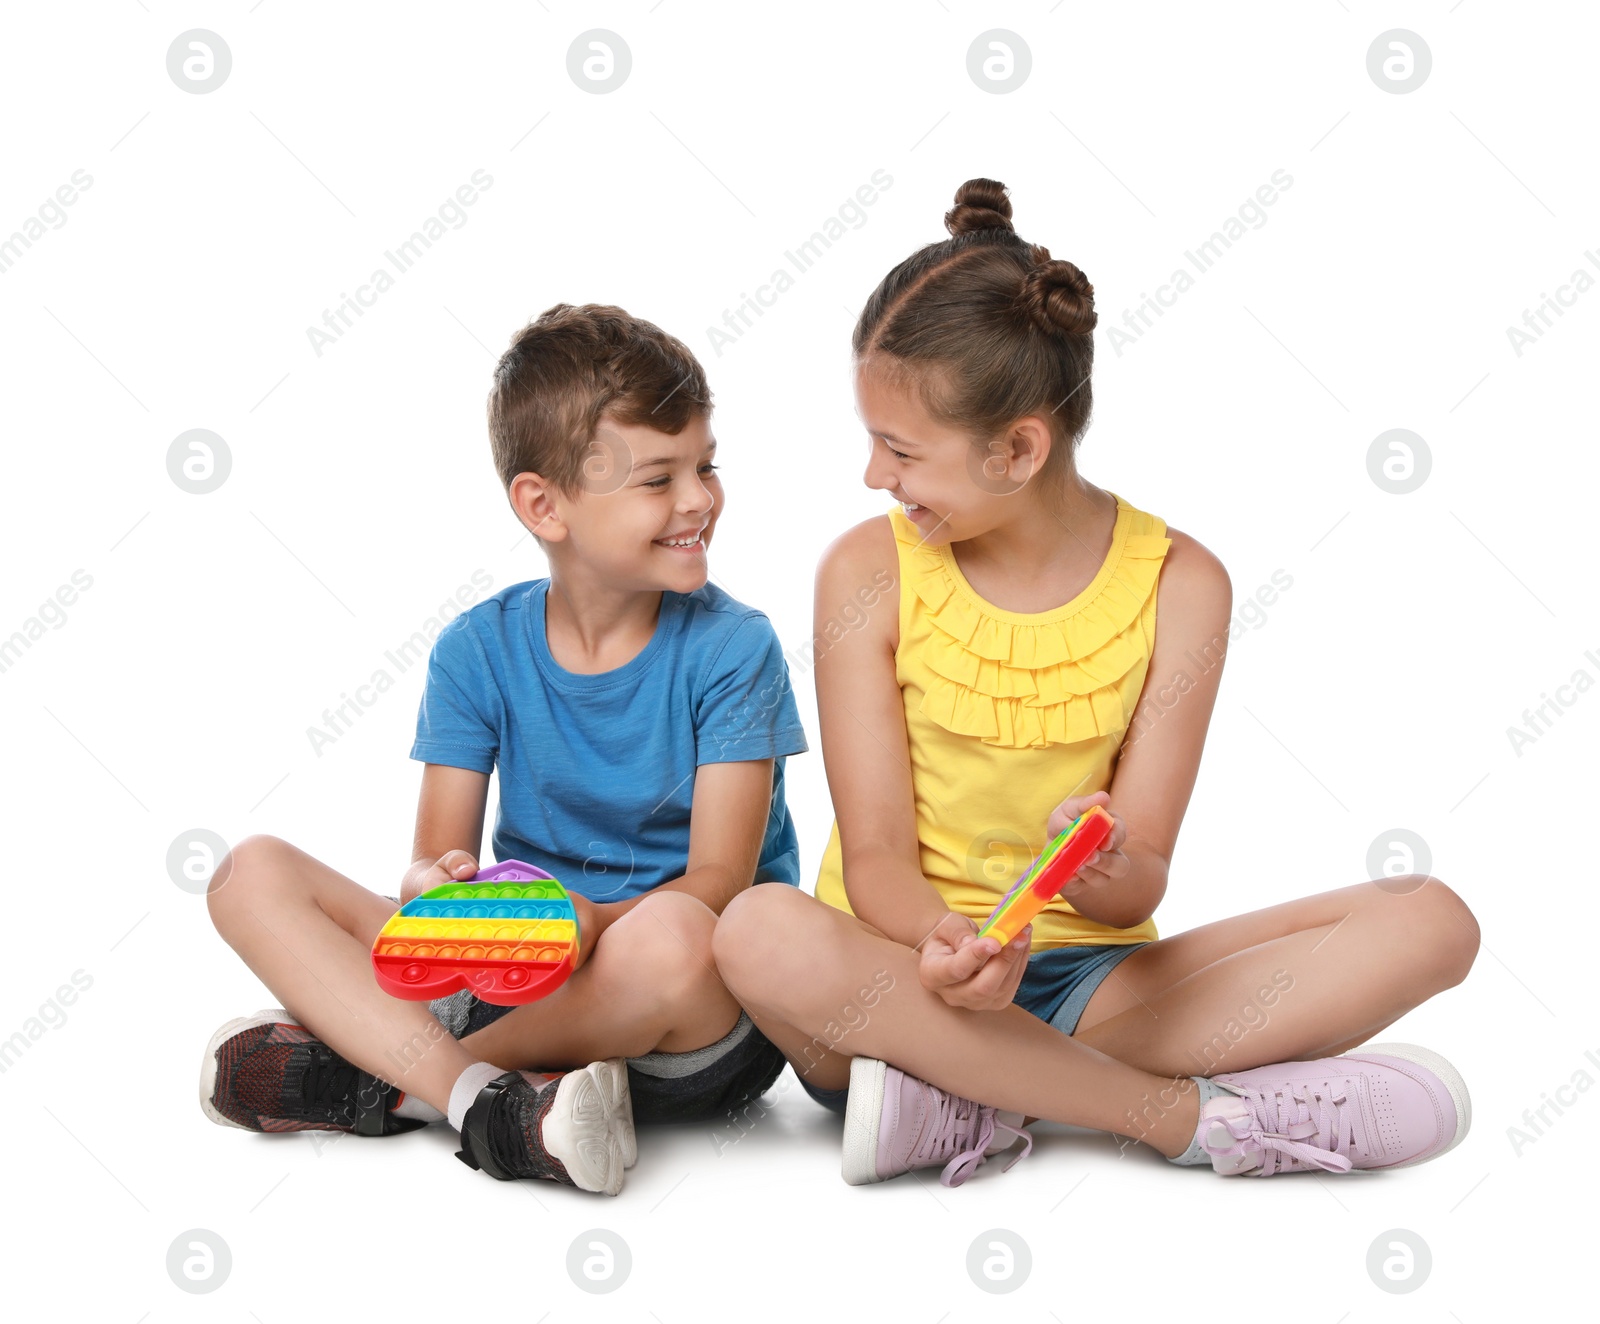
x=265, y=1073
x=570, y=1129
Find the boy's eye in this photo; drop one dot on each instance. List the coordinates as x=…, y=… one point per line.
x=660, y=484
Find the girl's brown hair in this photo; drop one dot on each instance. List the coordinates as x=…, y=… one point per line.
x=988, y=328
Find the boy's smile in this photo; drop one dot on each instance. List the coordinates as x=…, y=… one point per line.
x=649, y=508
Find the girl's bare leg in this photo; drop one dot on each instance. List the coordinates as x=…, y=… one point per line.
x=1308, y=978
x=825, y=987
x=307, y=932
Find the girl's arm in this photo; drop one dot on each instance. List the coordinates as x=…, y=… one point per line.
x=449, y=833
x=1160, y=755
x=864, y=746
x=866, y=755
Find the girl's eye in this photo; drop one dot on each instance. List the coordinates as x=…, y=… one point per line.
x=899, y=455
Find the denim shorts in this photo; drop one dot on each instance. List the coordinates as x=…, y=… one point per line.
x=1056, y=987
x=695, y=1086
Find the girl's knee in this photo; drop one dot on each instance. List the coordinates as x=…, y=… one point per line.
x=759, y=934
x=1439, y=926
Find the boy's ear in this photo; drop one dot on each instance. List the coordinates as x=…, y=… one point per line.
x=535, y=503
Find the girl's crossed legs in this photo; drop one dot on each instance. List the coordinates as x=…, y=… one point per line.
x=1304, y=979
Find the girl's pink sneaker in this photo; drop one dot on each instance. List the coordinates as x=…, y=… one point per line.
x=1382, y=1106
x=894, y=1123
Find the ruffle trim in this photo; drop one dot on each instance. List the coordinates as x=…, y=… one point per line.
x=1033, y=684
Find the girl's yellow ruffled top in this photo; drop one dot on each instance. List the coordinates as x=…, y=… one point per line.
x=1009, y=713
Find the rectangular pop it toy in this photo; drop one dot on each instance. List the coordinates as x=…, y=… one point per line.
x=510, y=934
x=1047, y=875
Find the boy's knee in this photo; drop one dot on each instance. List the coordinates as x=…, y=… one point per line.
x=665, y=942
x=247, y=867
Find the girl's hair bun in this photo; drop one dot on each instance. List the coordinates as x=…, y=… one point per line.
x=1058, y=297
x=981, y=204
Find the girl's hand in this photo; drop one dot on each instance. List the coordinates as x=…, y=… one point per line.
x=1108, y=864
x=968, y=971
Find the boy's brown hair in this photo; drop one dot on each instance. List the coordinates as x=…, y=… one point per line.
x=569, y=366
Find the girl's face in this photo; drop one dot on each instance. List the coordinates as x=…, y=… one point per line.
x=948, y=487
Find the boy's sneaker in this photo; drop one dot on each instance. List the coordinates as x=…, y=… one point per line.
x=265, y=1073
x=894, y=1123
x=1382, y=1106
x=612, y=1078
x=570, y=1128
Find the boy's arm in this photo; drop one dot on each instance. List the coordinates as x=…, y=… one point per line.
x=449, y=834
x=727, y=825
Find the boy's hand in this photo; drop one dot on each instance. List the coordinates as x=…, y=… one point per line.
x=1106, y=865
x=594, y=918
x=451, y=867
x=968, y=971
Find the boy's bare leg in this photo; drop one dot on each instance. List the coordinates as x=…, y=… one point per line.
x=650, y=985
x=307, y=932
x=801, y=968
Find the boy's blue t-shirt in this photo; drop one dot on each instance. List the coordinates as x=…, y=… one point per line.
x=597, y=771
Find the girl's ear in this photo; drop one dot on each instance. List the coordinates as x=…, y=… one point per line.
x=536, y=505
x=1030, y=441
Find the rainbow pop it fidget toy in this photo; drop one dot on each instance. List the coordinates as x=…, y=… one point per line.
x=1046, y=876
x=510, y=934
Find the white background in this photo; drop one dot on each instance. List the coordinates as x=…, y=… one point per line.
x=1375, y=693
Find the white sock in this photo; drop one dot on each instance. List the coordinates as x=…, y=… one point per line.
x=1196, y=1154
x=418, y=1109
x=466, y=1089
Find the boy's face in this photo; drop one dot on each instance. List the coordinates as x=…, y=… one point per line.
x=645, y=491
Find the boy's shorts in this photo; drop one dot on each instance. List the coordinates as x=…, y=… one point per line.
x=700, y=1085
x=695, y=1086
x=1056, y=987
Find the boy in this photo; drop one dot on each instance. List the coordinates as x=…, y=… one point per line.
x=638, y=717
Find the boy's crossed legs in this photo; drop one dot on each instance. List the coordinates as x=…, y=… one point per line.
x=648, y=991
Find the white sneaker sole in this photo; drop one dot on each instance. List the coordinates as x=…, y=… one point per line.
x=863, y=1113
x=208, y=1066
x=585, y=1128
x=613, y=1077
x=1454, y=1085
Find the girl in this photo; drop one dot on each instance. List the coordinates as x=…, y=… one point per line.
x=1024, y=658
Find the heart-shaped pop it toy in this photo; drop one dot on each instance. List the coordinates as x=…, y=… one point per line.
x=510, y=934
